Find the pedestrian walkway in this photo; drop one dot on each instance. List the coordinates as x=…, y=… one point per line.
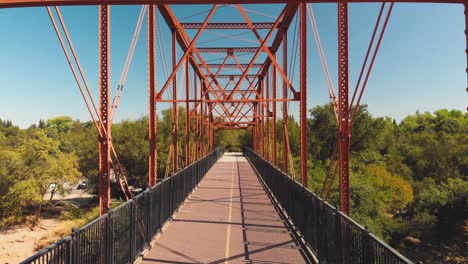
x=229, y=218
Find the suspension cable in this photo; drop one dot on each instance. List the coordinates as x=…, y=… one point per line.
x=377, y=24
x=323, y=61
x=382, y=32
x=99, y=127
x=128, y=61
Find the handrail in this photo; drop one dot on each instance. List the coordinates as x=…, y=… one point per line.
x=95, y=243
x=332, y=236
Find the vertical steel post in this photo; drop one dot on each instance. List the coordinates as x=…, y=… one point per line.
x=152, y=169
x=343, y=86
x=202, y=118
x=285, y=104
x=254, y=133
x=303, y=98
x=466, y=35
x=195, y=93
x=104, y=100
x=275, y=132
x=175, y=112
x=260, y=121
x=187, y=113
x=213, y=135
x=267, y=96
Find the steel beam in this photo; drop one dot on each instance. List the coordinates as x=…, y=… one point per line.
x=233, y=66
x=285, y=23
x=35, y=3
x=228, y=49
x=104, y=107
x=343, y=97
x=258, y=25
x=285, y=104
x=466, y=36
x=275, y=132
x=197, y=132
x=232, y=76
x=267, y=96
x=152, y=168
x=303, y=91
x=175, y=112
x=187, y=114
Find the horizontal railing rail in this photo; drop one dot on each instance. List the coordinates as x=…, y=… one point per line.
x=123, y=233
x=332, y=236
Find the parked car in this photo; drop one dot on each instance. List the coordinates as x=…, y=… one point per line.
x=82, y=186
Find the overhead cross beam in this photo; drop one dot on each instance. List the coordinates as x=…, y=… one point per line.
x=226, y=49
x=261, y=25
x=35, y=3
x=233, y=66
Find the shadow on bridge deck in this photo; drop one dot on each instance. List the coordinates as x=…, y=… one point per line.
x=229, y=218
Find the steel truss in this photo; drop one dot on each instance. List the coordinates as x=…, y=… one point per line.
x=216, y=100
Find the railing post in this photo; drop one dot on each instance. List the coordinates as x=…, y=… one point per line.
x=110, y=238
x=366, y=247
x=72, y=251
x=132, y=231
x=149, y=214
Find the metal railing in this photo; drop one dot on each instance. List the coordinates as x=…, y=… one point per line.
x=332, y=236
x=124, y=232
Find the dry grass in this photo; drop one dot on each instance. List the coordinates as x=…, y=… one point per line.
x=64, y=228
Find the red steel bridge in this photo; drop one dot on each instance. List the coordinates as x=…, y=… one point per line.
x=216, y=208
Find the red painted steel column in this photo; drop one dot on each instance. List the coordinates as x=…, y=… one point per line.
x=343, y=86
x=260, y=120
x=267, y=96
x=303, y=99
x=254, y=130
x=466, y=35
x=202, y=131
x=152, y=169
x=187, y=113
x=195, y=93
x=175, y=112
x=275, y=132
x=285, y=104
x=104, y=101
x=213, y=135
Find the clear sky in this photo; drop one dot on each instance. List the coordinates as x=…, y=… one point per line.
x=420, y=66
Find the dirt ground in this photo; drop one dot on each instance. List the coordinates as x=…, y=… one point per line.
x=19, y=242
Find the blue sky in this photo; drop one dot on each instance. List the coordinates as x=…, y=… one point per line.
x=420, y=66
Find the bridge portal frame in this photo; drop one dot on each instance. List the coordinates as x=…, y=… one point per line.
x=204, y=105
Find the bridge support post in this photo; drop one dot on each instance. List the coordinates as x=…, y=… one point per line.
x=195, y=93
x=105, y=135
x=175, y=111
x=343, y=105
x=343, y=124
x=466, y=35
x=275, y=132
x=267, y=96
x=152, y=168
x=202, y=132
x=104, y=103
x=259, y=113
x=285, y=104
x=187, y=113
x=303, y=98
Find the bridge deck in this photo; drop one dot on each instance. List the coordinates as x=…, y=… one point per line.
x=228, y=219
